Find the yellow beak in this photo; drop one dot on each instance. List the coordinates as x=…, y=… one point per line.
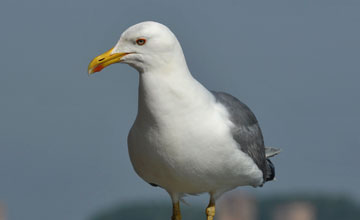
x=104, y=60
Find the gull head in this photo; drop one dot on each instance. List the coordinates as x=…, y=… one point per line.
x=146, y=46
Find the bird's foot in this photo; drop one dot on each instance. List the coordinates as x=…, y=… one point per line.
x=210, y=212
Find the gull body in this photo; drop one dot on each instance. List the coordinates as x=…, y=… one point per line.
x=185, y=139
x=181, y=139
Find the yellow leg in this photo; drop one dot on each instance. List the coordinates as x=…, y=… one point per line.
x=176, y=211
x=210, y=210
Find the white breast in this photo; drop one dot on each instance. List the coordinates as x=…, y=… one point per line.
x=181, y=139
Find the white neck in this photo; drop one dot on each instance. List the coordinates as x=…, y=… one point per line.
x=170, y=93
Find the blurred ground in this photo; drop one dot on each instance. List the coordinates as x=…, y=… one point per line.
x=241, y=206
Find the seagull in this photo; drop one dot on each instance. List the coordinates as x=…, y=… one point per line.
x=186, y=139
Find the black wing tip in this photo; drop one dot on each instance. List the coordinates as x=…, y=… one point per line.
x=270, y=171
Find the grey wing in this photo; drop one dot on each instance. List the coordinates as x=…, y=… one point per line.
x=247, y=131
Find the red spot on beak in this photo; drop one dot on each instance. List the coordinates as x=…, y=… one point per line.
x=98, y=68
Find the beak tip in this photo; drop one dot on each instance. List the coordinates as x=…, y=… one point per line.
x=95, y=69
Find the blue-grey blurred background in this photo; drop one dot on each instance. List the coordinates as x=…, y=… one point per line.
x=63, y=151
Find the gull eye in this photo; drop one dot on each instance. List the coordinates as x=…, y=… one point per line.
x=141, y=41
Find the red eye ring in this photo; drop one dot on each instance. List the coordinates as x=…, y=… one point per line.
x=140, y=41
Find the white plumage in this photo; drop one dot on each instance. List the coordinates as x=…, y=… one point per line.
x=185, y=139
x=181, y=139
